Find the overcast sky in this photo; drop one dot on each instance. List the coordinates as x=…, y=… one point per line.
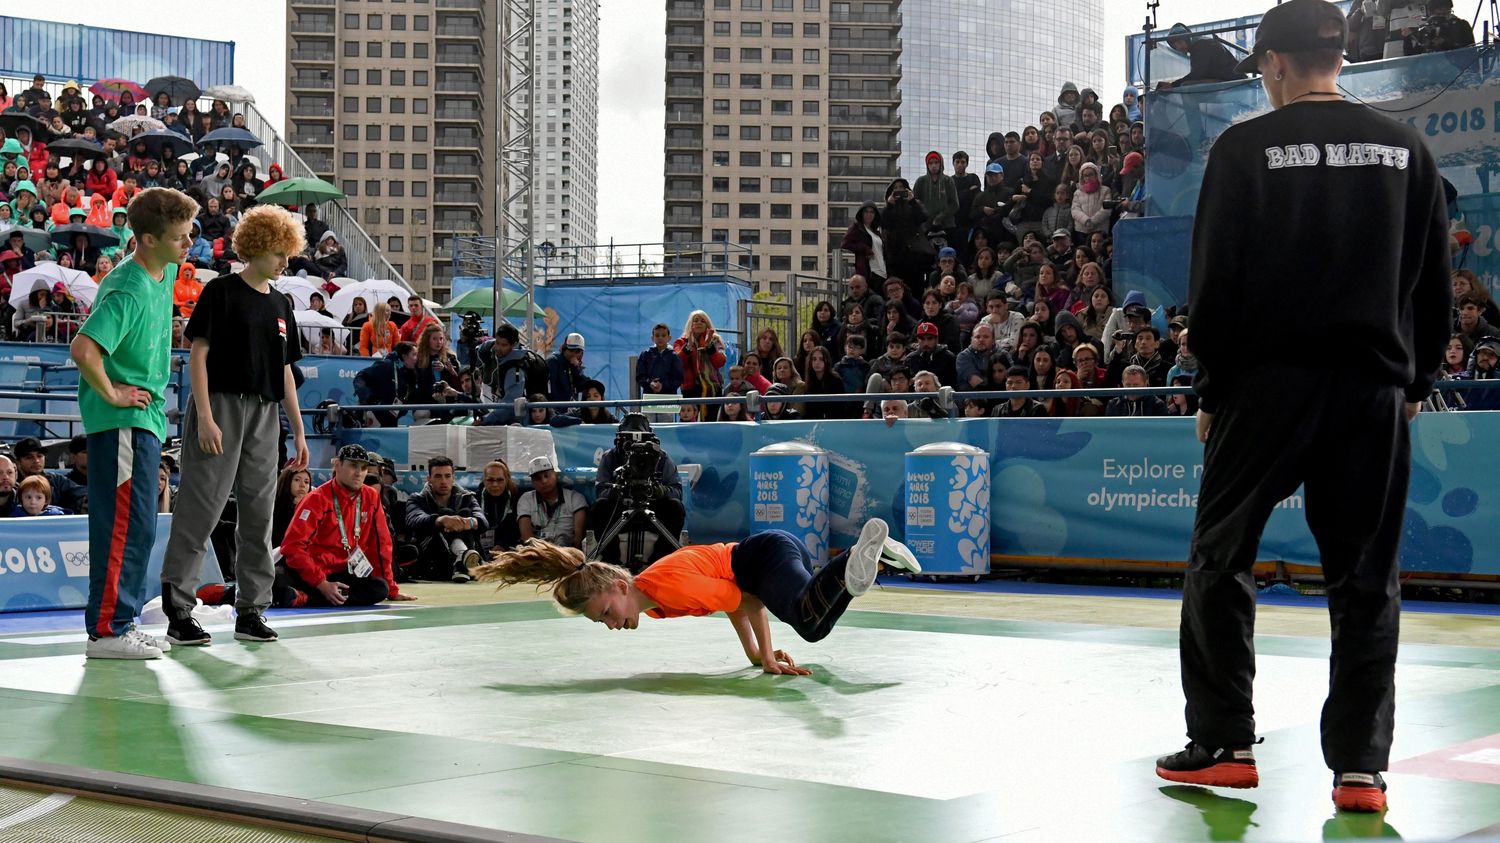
x=632, y=77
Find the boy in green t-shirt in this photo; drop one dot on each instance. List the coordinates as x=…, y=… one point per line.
x=123, y=353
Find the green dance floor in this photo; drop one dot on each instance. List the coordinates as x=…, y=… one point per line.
x=960, y=725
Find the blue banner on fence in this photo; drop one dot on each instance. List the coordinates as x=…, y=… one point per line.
x=1074, y=488
x=44, y=562
x=1451, y=98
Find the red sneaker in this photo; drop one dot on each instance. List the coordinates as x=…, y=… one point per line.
x=1363, y=792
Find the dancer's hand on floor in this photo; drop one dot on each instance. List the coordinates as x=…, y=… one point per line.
x=782, y=664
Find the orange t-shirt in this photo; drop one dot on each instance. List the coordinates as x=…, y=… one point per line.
x=696, y=580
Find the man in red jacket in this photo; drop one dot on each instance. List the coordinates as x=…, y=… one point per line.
x=337, y=550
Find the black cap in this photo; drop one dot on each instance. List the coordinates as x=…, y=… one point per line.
x=28, y=446
x=1292, y=27
x=354, y=453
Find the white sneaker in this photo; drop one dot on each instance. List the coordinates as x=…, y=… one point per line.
x=864, y=557
x=121, y=647
x=146, y=638
x=898, y=556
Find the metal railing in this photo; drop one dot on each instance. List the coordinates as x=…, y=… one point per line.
x=613, y=262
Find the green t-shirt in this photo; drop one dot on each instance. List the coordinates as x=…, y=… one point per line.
x=132, y=322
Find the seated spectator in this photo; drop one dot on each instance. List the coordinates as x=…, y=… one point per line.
x=338, y=548
x=897, y=292
x=947, y=264
x=860, y=294
x=974, y=408
x=932, y=356
x=947, y=327
x=1083, y=405
x=821, y=379
x=1018, y=379
x=1136, y=404
x=1465, y=283
x=593, y=390
x=498, y=498
x=1484, y=365
x=1086, y=365
x=963, y=308
x=892, y=411
x=1043, y=367
x=1182, y=405
x=1125, y=324
x=8, y=498
x=774, y=410
x=565, y=373
x=658, y=370
x=445, y=521
x=166, y=493
x=897, y=321
x=826, y=325
x=687, y=413
x=550, y=512
x=78, y=460
x=1004, y=322
x=973, y=365
x=377, y=336
x=1471, y=323
x=1455, y=357
x=31, y=461
x=753, y=366
x=36, y=499
x=853, y=370
x=985, y=276
x=292, y=486
x=857, y=325
x=437, y=379
x=1186, y=365
x=1147, y=356
x=702, y=354
x=926, y=406
x=388, y=382
x=330, y=258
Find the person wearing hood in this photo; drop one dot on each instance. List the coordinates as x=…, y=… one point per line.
x=1090, y=213
x=330, y=256
x=1484, y=365
x=992, y=205
x=83, y=251
x=1210, y=60
x=153, y=176
x=1069, y=335
x=16, y=244
x=23, y=199
x=1132, y=315
x=1131, y=99
x=1068, y=101
x=201, y=253
x=213, y=223
x=213, y=185
x=865, y=240
x=1033, y=197
x=247, y=186
x=939, y=196
x=36, y=151
x=968, y=186
x=313, y=227
x=101, y=179
x=908, y=249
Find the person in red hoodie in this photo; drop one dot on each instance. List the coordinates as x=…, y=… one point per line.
x=337, y=550
x=101, y=179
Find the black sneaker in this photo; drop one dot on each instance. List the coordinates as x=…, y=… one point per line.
x=1198, y=764
x=187, y=633
x=461, y=567
x=252, y=627
x=1363, y=792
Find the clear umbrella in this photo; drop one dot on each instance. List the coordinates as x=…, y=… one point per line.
x=372, y=291
x=229, y=93
x=45, y=276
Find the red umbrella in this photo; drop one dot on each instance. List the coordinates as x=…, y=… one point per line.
x=111, y=89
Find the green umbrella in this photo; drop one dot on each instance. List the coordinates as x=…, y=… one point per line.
x=299, y=191
x=482, y=301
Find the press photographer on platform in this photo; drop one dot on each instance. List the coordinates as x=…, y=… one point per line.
x=636, y=476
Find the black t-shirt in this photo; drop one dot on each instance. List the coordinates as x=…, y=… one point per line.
x=1321, y=241
x=247, y=334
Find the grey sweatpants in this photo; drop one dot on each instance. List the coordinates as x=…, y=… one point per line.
x=250, y=432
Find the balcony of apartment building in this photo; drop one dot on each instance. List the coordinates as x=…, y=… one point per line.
x=684, y=139
x=320, y=162
x=883, y=170
x=679, y=164
x=312, y=23
x=311, y=108
x=457, y=55
x=458, y=83
x=876, y=92
x=683, y=114
x=311, y=135
x=681, y=216
x=885, y=18
x=458, y=165
x=685, y=88
x=684, y=35
x=879, y=43
x=873, y=117
x=318, y=3
x=473, y=5
x=871, y=143
x=684, y=190
x=312, y=51
x=685, y=10
x=455, y=139
x=458, y=111
x=457, y=193
x=311, y=80
x=842, y=64
x=683, y=63
x=855, y=193
x=459, y=27
x=456, y=221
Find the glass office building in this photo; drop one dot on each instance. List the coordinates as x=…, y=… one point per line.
x=972, y=67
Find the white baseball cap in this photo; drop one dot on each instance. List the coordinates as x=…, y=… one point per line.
x=539, y=465
x=574, y=341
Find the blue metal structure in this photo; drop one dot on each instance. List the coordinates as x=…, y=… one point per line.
x=89, y=53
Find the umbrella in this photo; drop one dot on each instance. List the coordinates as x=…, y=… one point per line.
x=35, y=239
x=158, y=139
x=77, y=149
x=177, y=88
x=299, y=191
x=372, y=291
x=10, y=121
x=298, y=288
x=230, y=136
x=45, y=275
x=111, y=89
x=314, y=319
x=130, y=124
x=481, y=300
x=99, y=238
x=229, y=93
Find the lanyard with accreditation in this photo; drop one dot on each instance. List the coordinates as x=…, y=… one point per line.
x=359, y=564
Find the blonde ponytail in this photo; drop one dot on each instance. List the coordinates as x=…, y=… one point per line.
x=572, y=577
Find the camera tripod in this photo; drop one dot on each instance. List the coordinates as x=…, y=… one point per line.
x=636, y=551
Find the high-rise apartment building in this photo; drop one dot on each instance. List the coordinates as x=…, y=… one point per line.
x=783, y=116
x=396, y=105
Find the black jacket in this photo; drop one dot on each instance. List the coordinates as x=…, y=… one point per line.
x=1211, y=62
x=666, y=475
x=500, y=516
x=941, y=363
x=422, y=511
x=1148, y=405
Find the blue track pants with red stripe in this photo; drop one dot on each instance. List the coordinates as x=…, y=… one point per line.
x=123, y=478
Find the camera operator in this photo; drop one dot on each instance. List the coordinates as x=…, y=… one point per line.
x=636, y=470
x=1442, y=31
x=470, y=335
x=504, y=363
x=445, y=521
x=1371, y=27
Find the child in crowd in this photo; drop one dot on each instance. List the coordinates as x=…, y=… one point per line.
x=35, y=493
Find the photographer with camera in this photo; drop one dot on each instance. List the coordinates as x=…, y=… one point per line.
x=511, y=371
x=445, y=520
x=636, y=476
x=1374, y=23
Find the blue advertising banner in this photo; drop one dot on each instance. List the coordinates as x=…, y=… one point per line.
x=44, y=562
x=1074, y=488
x=1451, y=98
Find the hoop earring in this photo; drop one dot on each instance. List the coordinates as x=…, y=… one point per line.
x=1278, y=77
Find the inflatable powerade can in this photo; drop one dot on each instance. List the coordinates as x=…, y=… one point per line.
x=948, y=509
x=789, y=491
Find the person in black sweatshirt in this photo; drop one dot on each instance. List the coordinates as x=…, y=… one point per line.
x=1274, y=418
